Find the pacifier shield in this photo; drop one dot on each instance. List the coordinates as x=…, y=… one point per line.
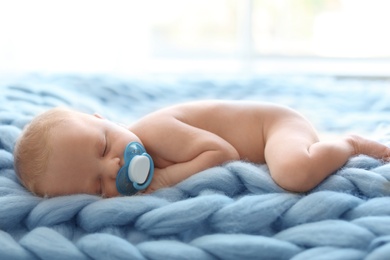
x=137, y=170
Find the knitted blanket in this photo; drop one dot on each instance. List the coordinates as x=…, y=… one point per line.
x=234, y=211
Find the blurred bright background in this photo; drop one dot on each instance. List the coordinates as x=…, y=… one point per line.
x=196, y=36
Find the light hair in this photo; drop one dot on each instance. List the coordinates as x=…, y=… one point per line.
x=33, y=147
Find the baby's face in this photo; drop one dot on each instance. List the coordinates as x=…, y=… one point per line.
x=86, y=155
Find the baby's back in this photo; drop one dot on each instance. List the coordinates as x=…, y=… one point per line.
x=243, y=124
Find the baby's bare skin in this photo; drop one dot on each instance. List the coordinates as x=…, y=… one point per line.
x=186, y=139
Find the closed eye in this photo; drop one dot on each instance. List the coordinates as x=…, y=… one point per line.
x=104, y=146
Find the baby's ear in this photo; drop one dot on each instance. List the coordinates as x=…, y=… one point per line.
x=98, y=115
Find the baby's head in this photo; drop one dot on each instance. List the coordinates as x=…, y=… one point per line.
x=33, y=147
x=64, y=152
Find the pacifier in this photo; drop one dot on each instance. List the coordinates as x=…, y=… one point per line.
x=137, y=171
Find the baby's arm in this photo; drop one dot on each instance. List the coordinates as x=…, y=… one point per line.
x=192, y=150
x=178, y=172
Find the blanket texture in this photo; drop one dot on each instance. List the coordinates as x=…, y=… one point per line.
x=234, y=211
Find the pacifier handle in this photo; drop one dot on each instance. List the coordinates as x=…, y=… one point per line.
x=142, y=170
x=138, y=170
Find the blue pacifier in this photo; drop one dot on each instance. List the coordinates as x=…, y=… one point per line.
x=137, y=171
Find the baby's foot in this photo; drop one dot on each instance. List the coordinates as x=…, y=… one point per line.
x=368, y=147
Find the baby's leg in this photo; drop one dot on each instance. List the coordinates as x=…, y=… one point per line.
x=298, y=161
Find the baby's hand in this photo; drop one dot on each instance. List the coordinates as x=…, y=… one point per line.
x=159, y=181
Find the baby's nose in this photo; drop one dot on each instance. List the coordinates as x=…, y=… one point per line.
x=118, y=162
x=113, y=168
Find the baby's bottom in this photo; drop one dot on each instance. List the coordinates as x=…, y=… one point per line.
x=298, y=161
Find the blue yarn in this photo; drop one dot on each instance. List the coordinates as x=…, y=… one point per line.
x=223, y=181
x=240, y=246
x=334, y=253
x=234, y=211
x=165, y=249
x=256, y=178
x=337, y=233
x=373, y=207
x=14, y=209
x=383, y=170
x=48, y=244
x=173, y=194
x=8, y=138
x=180, y=216
x=10, y=175
x=380, y=248
x=10, y=185
x=319, y=206
x=369, y=183
x=48, y=213
x=10, y=249
x=118, y=211
x=6, y=160
x=378, y=225
x=253, y=214
x=363, y=162
x=105, y=246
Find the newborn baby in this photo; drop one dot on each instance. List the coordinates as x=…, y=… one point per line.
x=64, y=152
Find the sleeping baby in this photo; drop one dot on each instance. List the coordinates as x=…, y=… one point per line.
x=64, y=152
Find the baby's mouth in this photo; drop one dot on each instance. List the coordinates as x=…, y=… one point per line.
x=137, y=171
